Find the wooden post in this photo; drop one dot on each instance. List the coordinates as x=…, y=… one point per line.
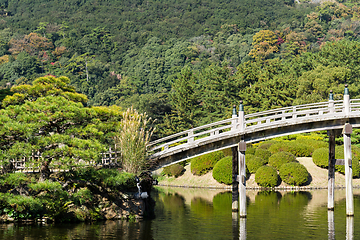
x=331, y=170
x=242, y=179
x=235, y=183
x=348, y=170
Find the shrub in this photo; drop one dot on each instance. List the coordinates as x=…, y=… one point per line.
x=24, y=206
x=203, y=164
x=82, y=196
x=321, y=157
x=296, y=148
x=227, y=152
x=315, y=144
x=15, y=179
x=294, y=173
x=173, y=170
x=267, y=144
x=264, y=154
x=250, y=150
x=45, y=186
x=278, y=159
x=339, y=154
x=222, y=171
x=253, y=163
x=266, y=176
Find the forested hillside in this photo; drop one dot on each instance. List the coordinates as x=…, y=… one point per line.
x=184, y=62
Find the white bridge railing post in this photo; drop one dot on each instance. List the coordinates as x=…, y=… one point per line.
x=241, y=117
x=331, y=102
x=190, y=135
x=234, y=119
x=346, y=101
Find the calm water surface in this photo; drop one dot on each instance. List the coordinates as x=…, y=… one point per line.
x=206, y=214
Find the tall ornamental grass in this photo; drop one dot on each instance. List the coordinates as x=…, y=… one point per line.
x=132, y=140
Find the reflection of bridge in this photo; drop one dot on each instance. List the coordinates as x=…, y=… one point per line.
x=241, y=129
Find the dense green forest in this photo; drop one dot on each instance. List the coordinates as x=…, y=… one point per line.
x=185, y=63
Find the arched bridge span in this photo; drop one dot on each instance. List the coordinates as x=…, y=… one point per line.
x=255, y=127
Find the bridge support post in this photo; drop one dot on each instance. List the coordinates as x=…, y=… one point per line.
x=348, y=170
x=235, y=183
x=242, y=179
x=331, y=170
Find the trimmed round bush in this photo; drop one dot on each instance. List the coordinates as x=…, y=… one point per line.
x=339, y=154
x=321, y=157
x=250, y=150
x=253, y=163
x=278, y=159
x=294, y=173
x=203, y=164
x=264, y=154
x=173, y=170
x=227, y=152
x=266, y=176
x=222, y=171
x=296, y=148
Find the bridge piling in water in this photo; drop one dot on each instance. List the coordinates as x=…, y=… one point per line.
x=242, y=179
x=235, y=183
x=348, y=170
x=331, y=170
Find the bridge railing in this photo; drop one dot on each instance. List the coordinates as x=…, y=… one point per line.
x=241, y=123
x=292, y=113
x=191, y=135
x=22, y=164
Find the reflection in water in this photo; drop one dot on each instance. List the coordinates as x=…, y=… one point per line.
x=331, y=225
x=349, y=227
x=242, y=228
x=208, y=215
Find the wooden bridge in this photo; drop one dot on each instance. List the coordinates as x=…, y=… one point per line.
x=255, y=127
x=241, y=129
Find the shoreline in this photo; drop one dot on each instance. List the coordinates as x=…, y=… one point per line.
x=318, y=179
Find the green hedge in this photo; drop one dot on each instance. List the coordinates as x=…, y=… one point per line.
x=174, y=170
x=250, y=150
x=315, y=144
x=253, y=163
x=264, y=154
x=203, y=164
x=321, y=157
x=222, y=171
x=339, y=154
x=267, y=144
x=266, y=176
x=278, y=159
x=296, y=148
x=294, y=173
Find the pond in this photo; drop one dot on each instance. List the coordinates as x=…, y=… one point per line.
x=189, y=213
